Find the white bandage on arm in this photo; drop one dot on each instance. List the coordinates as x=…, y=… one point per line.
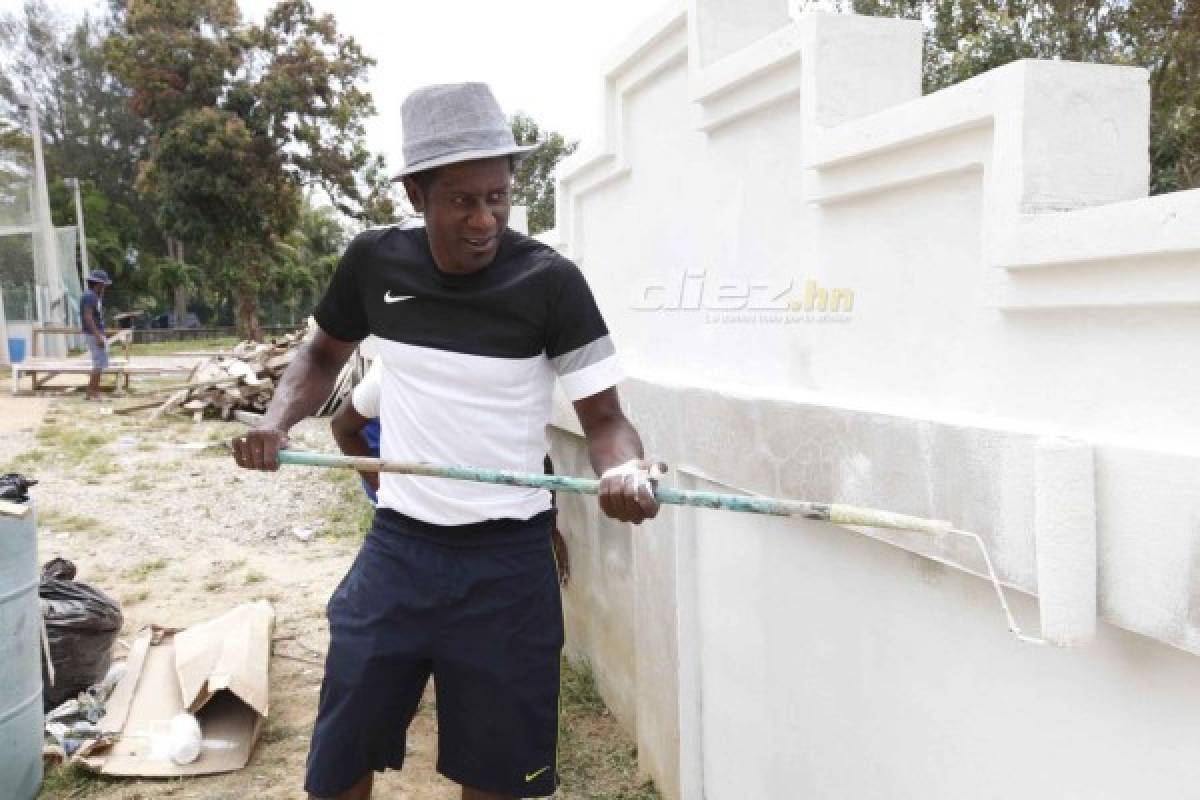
x=634, y=475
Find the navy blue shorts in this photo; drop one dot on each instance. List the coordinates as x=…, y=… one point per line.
x=475, y=606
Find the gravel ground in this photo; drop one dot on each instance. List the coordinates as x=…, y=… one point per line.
x=156, y=514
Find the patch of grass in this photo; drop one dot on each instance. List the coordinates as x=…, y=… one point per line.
x=281, y=731
x=140, y=484
x=595, y=758
x=64, y=521
x=214, y=586
x=349, y=515
x=578, y=691
x=167, y=348
x=77, y=441
x=69, y=437
x=100, y=467
x=145, y=569
x=133, y=598
x=29, y=460
x=224, y=431
x=69, y=781
x=254, y=576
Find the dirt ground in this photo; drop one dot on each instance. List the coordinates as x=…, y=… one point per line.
x=156, y=514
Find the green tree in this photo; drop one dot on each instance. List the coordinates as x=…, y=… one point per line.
x=88, y=132
x=379, y=202
x=169, y=277
x=246, y=118
x=533, y=183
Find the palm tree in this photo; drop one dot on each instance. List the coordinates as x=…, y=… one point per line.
x=170, y=277
x=291, y=272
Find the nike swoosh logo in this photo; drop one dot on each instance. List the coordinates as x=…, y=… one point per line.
x=387, y=297
x=529, y=778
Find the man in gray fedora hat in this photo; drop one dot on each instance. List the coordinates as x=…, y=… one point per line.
x=456, y=580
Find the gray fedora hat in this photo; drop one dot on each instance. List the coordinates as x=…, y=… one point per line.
x=454, y=122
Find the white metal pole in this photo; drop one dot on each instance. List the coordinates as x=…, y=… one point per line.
x=52, y=273
x=83, y=254
x=3, y=331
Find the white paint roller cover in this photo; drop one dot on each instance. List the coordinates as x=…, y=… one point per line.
x=1065, y=538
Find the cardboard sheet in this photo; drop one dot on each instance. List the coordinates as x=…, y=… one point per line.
x=218, y=670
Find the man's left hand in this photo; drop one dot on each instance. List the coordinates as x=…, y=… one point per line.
x=627, y=490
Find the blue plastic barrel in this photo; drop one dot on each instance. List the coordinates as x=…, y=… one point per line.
x=20, y=667
x=16, y=349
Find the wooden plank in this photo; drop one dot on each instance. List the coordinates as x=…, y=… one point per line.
x=171, y=403
x=161, y=390
x=138, y=407
x=248, y=418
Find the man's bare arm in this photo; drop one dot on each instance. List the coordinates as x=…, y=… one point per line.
x=305, y=385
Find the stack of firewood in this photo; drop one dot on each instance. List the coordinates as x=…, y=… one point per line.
x=241, y=379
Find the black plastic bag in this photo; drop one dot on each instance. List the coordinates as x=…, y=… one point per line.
x=82, y=623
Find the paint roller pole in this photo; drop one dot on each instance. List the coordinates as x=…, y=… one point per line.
x=827, y=512
x=1065, y=539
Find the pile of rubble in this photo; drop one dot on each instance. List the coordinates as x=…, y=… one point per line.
x=241, y=379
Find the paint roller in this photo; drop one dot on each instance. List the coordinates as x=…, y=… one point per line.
x=1065, y=540
x=1064, y=518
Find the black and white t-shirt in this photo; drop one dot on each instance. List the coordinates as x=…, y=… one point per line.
x=469, y=363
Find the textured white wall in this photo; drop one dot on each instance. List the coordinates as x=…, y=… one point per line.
x=1010, y=280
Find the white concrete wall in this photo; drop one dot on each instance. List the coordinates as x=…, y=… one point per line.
x=1010, y=280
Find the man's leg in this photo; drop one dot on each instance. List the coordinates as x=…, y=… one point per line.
x=496, y=669
x=359, y=791
x=99, y=362
x=377, y=666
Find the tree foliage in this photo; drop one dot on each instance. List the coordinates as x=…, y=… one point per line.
x=195, y=135
x=966, y=37
x=88, y=132
x=245, y=119
x=533, y=183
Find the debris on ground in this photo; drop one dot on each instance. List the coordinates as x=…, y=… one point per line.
x=241, y=381
x=73, y=730
x=190, y=702
x=81, y=625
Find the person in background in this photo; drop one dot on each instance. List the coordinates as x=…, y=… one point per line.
x=91, y=312
x=355, y=428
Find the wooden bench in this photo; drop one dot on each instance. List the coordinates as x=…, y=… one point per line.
x=42, y=371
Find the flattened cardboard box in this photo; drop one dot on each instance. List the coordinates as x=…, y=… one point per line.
x=217, y=670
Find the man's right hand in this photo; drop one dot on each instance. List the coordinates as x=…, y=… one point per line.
x=259, y=448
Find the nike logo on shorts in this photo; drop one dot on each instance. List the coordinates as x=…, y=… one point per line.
x=531, y=776
x=387, y=297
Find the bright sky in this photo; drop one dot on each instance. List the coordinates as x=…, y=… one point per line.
x=543, y=57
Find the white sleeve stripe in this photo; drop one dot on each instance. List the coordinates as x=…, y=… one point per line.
x=365, y=397
x=591, y=379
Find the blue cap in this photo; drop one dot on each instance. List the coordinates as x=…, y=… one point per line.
x=99, y=276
